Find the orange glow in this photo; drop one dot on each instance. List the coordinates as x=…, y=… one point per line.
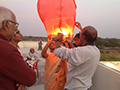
x=64, y=31
x=57, y=20
x=67, y=32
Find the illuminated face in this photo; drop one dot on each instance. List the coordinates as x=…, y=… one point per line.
x=77, y=41
x=52, y=45
x=82, y=38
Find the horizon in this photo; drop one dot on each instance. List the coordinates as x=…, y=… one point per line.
x=53, y=37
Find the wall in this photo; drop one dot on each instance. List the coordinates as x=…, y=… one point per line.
x=106, y=78
x=30, y=44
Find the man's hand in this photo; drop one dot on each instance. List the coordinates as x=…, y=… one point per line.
x=58, y=40
x=49, y=40
x=21, y=87
x=59, y=37
x=69, y=40
x=78, y=25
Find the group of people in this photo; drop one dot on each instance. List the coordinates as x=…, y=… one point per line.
x=82, y=57
x=66, y=68
x=83, y=60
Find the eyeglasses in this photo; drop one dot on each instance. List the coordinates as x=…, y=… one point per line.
x=17, y=32
x=16, y=24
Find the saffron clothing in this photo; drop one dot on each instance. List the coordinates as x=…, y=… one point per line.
x=83, y=63
x=55, y=73
x=12, y=67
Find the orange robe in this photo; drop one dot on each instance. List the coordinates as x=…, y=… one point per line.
x=55, y=73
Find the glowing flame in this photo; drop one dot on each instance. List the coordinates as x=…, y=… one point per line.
x=64, y=32
x=111, y=65
x=67, y=32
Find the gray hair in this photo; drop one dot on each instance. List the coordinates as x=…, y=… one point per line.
x=5, y=14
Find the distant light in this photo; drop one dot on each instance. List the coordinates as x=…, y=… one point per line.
x=111, y=65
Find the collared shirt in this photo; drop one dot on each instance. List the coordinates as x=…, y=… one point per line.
x=83, y=63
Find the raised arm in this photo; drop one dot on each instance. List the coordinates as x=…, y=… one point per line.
x=78, y=25
x=44, y=51
x=59, y=39
x=69, y=41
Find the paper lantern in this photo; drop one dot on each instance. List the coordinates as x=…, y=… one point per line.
x=57, y=16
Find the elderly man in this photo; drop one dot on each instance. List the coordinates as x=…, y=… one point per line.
x=16, y=39
x=83, y=60
x=12, y=66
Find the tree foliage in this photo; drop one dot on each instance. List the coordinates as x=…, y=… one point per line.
x=107, y=42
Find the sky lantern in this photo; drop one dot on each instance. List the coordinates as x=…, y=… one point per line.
x=58, y=16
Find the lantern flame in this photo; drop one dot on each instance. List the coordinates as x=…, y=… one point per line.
x=65, y=31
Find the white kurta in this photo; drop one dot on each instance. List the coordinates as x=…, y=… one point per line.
x=83, y=63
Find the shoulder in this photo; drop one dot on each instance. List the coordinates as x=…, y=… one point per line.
x=7, y=50
x=91, y=49
x=7, y=46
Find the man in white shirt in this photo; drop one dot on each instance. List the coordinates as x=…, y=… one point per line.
x=83, y=59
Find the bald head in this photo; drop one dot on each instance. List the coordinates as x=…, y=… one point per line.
x=90, y=34
x=5, y=14
x=7, y=23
